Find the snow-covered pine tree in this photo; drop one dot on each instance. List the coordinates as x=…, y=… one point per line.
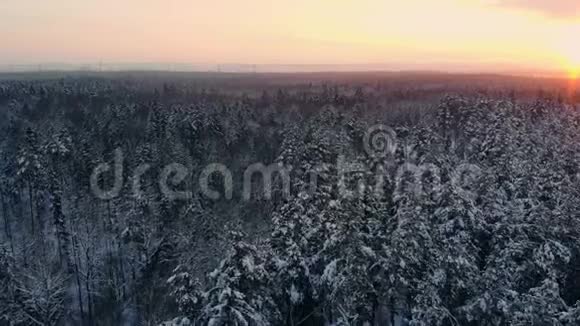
x=187, y=292
x=240, y=290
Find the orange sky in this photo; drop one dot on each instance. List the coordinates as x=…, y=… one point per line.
x=540, y=34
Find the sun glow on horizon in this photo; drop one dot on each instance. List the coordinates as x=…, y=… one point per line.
x=573, y=66
x=574, y=73
x=570, y=52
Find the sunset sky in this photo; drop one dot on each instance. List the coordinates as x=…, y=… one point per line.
x=446, y=34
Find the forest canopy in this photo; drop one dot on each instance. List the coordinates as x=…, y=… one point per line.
x=464, y=210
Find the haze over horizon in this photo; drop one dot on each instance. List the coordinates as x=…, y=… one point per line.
x=450, y=35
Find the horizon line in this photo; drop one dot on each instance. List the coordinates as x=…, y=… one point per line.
x=243, y=68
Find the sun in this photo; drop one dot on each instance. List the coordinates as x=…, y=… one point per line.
x=572, y=57
x=574, y=65
x=574, y=73
x=569, y=50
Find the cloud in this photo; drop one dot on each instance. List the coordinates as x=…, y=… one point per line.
x=564, y=9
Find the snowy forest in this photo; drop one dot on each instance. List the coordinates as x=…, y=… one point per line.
x=464, y=212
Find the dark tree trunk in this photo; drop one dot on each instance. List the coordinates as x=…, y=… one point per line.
x=31, y=199
x=89, y=275
x=78, y=279
x=7, y=226
x=62, y=235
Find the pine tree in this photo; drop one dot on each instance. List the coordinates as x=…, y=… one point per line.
x=30, y=170
x=187, y=292
x=240, y=288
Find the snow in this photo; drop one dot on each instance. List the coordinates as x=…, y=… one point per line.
x=295, y=296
